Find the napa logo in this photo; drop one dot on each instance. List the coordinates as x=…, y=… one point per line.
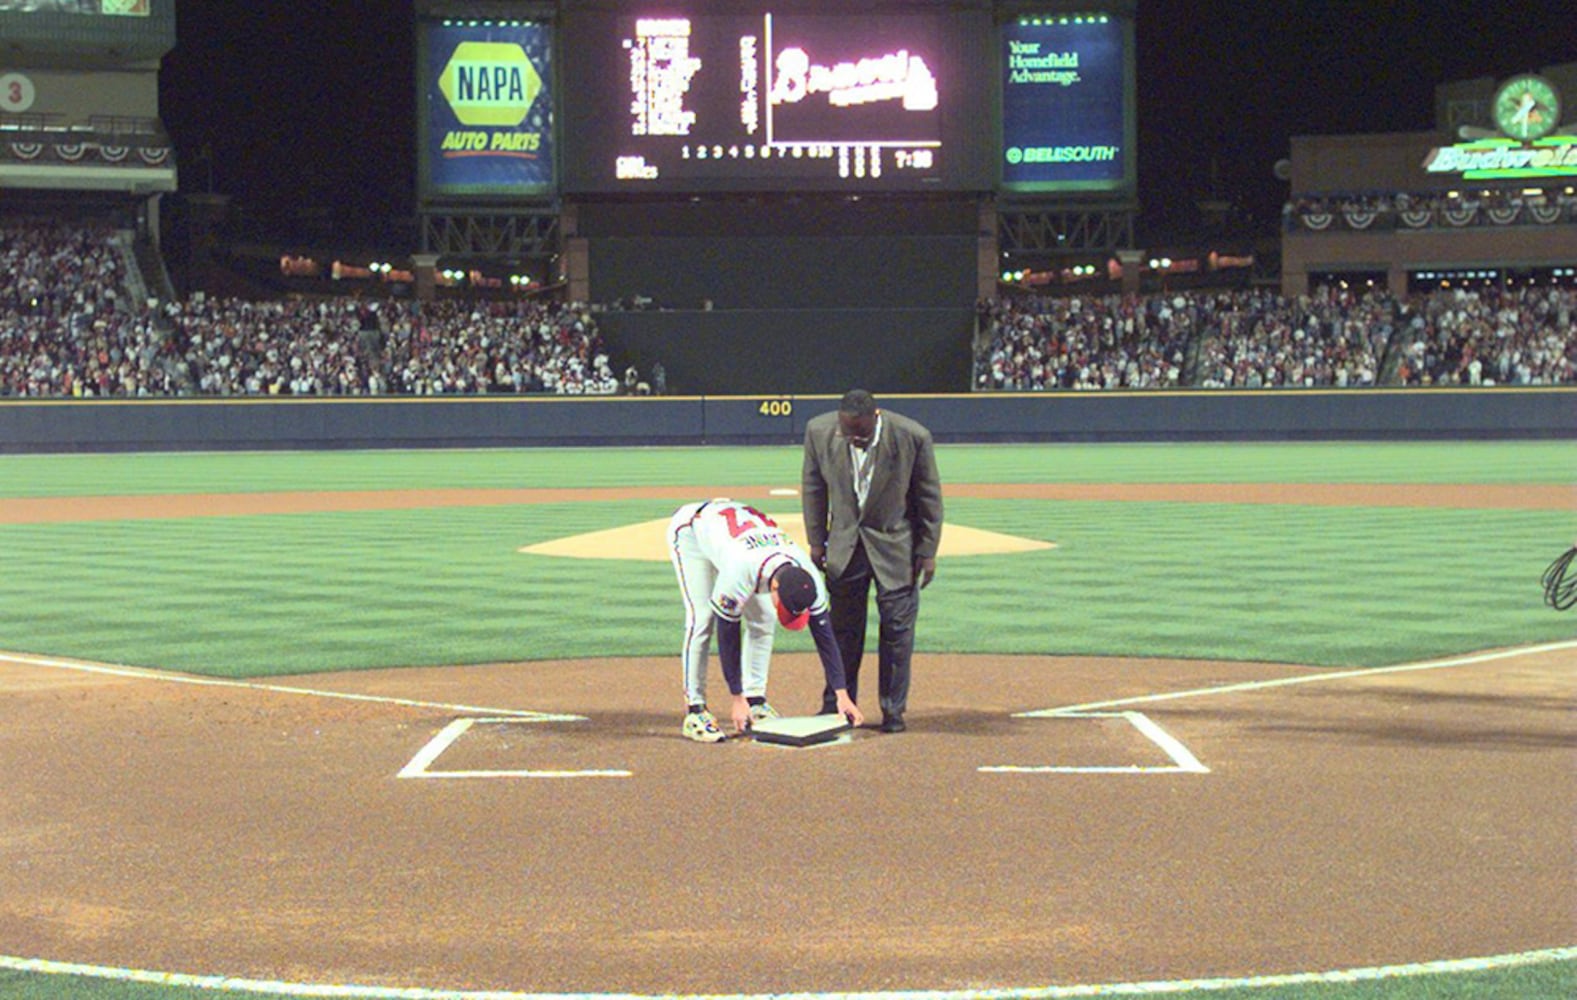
x=490, y=83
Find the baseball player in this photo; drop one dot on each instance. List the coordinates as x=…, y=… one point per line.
x=735, y=565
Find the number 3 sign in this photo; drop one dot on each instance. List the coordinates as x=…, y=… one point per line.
x=16, y=92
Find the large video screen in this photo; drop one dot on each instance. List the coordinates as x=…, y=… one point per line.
x=774, y=100
x=1067, y=104
x=485, y=121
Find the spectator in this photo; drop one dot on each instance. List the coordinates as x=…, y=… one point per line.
x=69, y=327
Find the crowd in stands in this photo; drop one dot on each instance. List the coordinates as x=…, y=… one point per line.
x=1086, y=342
x=351, y=347
x=1258, y=339
x=67, y=327
x=1523, y=336
x=70, y=328
x=1332, y=338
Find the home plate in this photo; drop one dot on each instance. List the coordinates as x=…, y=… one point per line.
x=800, y=730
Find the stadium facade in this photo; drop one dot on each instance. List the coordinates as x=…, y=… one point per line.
x=1489, y=195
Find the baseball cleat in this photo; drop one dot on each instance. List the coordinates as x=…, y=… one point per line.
x=702, y=727
x=763, y=711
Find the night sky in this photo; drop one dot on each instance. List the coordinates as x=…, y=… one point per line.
x=314, y=104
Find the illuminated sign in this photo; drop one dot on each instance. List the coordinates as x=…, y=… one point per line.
x=1489, y=158
x=486, y=125
x=1532, y=143
x=1527, y=107
x=111, y=8
x=768, y=100
x=798, y=93
x=1067, y=119
x=490, y=83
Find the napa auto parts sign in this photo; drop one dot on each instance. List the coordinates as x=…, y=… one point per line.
x=488, y=109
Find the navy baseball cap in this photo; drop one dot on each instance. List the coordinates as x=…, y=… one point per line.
x=796, y=593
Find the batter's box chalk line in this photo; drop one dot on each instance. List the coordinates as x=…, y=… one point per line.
x=1183, y=762
x=420, y=765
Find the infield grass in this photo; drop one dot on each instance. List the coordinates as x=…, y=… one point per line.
x=293, y=593
x=251, y=596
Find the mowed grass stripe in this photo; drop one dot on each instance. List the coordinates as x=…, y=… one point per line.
x=297, y=593
x=271, y=595
x=553, y=468
x=1332, y=586
x=540, y=468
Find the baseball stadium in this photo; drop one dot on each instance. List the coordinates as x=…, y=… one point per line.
x=340, y=636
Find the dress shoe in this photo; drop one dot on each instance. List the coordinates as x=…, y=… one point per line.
x=893, y=724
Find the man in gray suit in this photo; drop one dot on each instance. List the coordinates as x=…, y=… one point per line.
x=873, y=513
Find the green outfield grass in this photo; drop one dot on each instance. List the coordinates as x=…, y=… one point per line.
x=140, y=474
x=273, y=595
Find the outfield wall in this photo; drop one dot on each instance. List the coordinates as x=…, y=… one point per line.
x=505, y=421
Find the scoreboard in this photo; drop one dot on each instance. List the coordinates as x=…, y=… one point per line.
x=608, y=97
x=763, y=98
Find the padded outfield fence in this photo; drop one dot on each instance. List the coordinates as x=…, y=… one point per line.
x=507, y=421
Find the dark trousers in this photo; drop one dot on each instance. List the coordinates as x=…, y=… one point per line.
x=896, y=609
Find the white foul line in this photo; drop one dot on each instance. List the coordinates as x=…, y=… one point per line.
x=1174, y=749
x=1458, y=661
x=435, y=747
x=1152, y=988
x=1183, y=762
x=154, y=675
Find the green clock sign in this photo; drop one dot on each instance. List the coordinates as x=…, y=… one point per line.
x=1527, y=107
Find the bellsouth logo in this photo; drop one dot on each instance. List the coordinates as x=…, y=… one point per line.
x=490, y=83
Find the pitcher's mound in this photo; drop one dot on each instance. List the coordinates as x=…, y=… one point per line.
x=648, y=541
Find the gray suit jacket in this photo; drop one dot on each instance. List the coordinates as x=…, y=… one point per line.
x=902, y=521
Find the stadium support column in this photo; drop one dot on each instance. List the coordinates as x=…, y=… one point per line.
x=574, y=263
x=205, y=213
x=1133, y=264
x=577, y=269
x=148, y=224
x=426, y=267
x=1294, y=283
x=988, y=256
x=1396, y=279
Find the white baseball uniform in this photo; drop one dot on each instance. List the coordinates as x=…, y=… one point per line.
x=725, y=553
